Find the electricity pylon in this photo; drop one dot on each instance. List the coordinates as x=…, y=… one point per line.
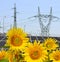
x=44, y=29
x=15, y=23
x=3, y=23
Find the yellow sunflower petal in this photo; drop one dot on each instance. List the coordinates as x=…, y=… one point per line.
x=2, y=54
x=50, y=44
x=17, y=39
x=35, y=52
x=55, y=56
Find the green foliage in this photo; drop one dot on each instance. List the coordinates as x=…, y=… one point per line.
x=4, y=60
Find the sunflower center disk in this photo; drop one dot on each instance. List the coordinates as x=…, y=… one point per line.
x=16, y=41
x=57, y=57
x=35, y=55
x=49, y=45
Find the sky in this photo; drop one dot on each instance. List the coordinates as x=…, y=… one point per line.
x=29, y=8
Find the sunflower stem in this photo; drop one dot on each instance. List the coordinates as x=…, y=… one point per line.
x=48, y=56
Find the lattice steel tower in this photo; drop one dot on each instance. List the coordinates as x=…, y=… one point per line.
x=15, y=23
x=45, y=29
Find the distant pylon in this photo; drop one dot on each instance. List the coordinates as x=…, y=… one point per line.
x=15, y=22
x=3, y=24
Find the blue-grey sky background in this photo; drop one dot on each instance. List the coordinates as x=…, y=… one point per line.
x=28, y=8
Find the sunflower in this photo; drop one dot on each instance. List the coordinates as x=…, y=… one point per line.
x=16, y=38
x=50, y=44
x=55, y=56
x=35, y=52
x=15, y=56
x=10, y=57
x=2, y=54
